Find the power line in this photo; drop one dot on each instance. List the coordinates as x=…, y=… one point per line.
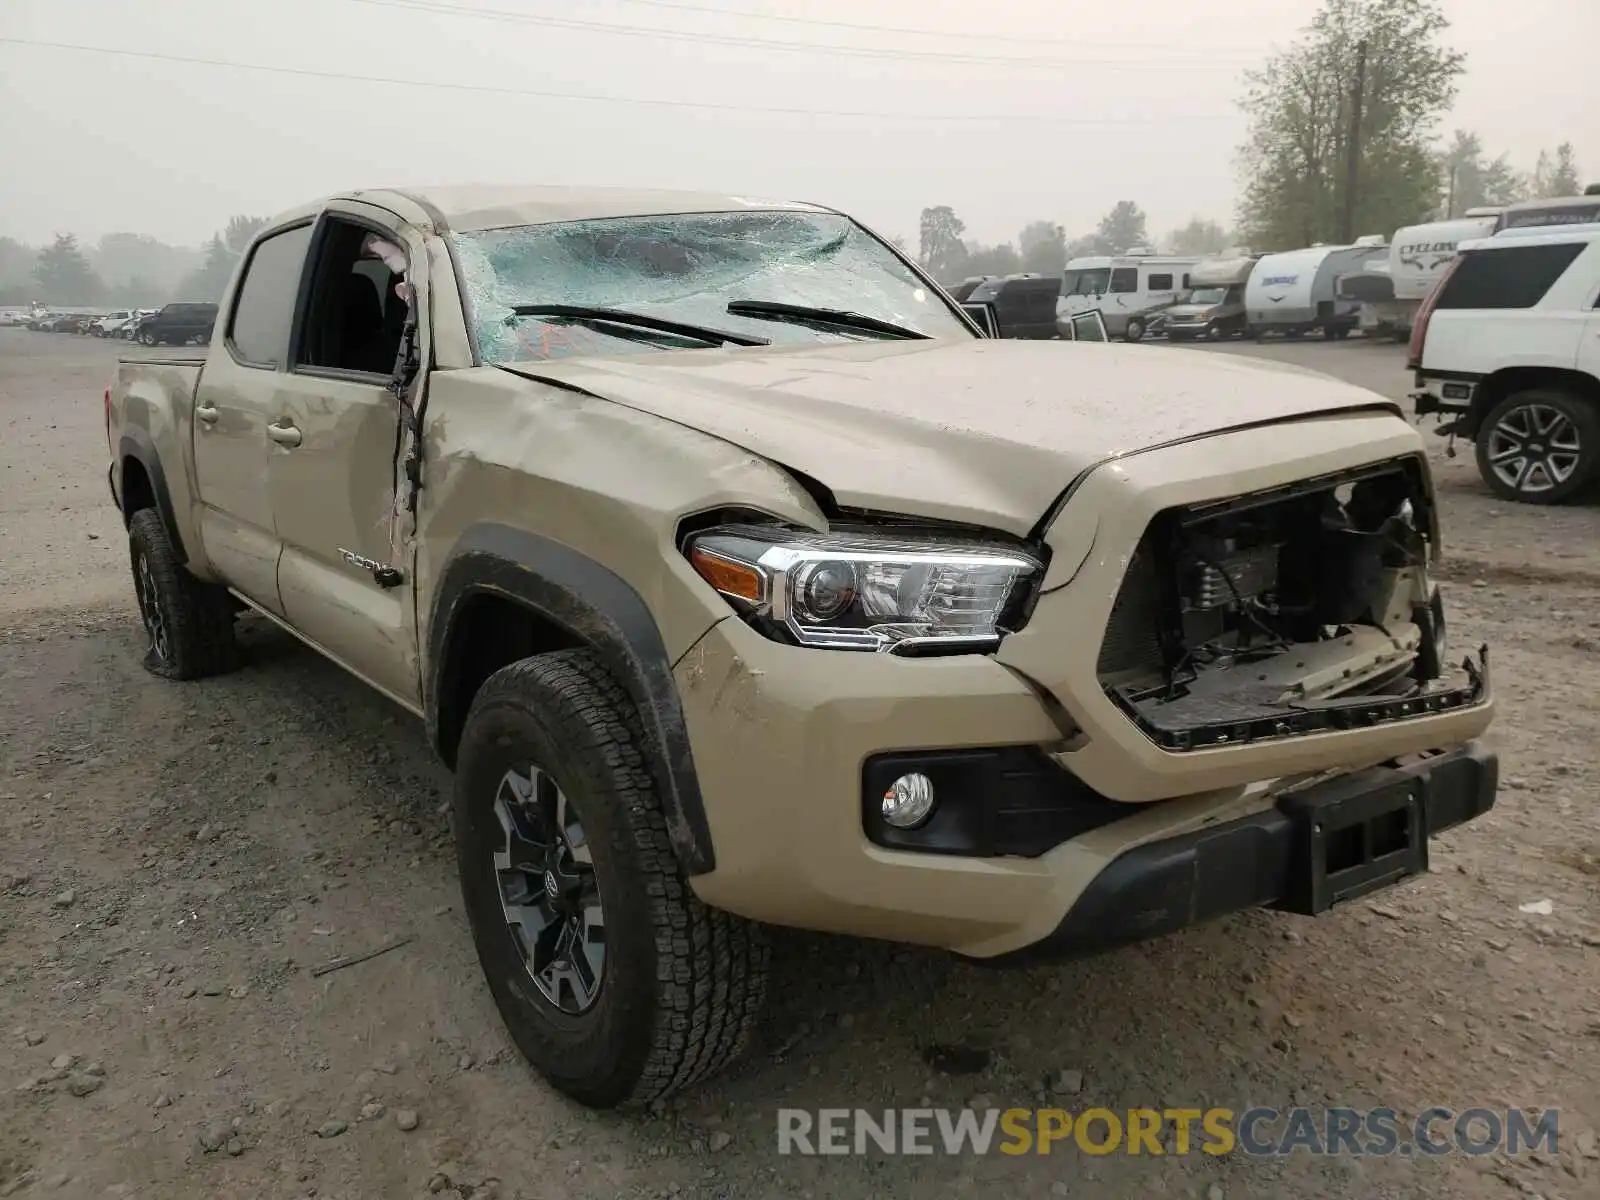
x=395, y=81
x=862, y=27
x=759, y=43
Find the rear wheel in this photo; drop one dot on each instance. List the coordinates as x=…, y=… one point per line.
x=1541, y=446
x=1134, y=331
x=189, y=623
x=615, y=982
x=147, y=337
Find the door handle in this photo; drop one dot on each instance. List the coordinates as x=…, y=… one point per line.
x=207, y=413
x=284, y=435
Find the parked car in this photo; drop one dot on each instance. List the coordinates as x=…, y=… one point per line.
x=1016, y=306
x=111, y=324
x=737, y=595
x=62, y=322
x=130, y=330
x=179, y=324
x=1507, y=348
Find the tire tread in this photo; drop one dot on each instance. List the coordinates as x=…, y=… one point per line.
x=711, y=966
x=198, y=616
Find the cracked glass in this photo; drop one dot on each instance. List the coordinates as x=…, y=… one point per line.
x=687, y=269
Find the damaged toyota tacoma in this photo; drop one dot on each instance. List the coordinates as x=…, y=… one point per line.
x=742, y=582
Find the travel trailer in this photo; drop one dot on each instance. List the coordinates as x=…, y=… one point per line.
x=1213, y=307
x=1562, y=210
x=1389, y=290
x=1293, y=293
x=1127, y=289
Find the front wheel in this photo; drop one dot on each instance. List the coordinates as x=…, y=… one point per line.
x=615, y=982
x=147, y=337
x=1541, y=446
x=1134, y=331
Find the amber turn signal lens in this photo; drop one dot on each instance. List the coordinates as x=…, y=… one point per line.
x=729, y=578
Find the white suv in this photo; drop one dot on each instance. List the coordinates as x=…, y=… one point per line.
x=1509, y=344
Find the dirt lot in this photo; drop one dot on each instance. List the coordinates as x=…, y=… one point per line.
x=175, y=859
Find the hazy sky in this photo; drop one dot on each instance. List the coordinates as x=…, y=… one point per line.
x=1110, y=100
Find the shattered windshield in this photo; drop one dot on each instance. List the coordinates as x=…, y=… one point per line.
x=686, y=269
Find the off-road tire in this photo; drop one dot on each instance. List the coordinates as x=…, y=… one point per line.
x=1134, y=330
x=1584, y=416
x=684, y=984
x=196, y=617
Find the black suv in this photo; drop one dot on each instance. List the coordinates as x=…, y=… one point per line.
x=179, y=323
x=1018, y=306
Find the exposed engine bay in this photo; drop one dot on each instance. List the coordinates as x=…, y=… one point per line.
x=1298, y=610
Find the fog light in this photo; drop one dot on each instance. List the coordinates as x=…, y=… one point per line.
x=908, y=801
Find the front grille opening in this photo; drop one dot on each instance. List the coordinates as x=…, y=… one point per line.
x=1299, y=609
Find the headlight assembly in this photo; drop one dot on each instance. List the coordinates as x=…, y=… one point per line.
x=867, y=591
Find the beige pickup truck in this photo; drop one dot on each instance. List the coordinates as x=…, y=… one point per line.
x=742, y=581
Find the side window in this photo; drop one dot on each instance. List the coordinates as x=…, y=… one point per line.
x=258, y=332
x=1163, y=282
x=1186, y=281
x=1516, y=277
x=355, y=312
x=1124, y=280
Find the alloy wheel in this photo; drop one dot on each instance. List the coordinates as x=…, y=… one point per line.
x=548, y=892
x=155, y=625
x=1534, y=448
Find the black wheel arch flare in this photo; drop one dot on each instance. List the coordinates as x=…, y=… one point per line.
x=136, y=444
x=599, y=609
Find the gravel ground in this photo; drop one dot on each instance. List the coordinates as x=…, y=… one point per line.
x=175, y=859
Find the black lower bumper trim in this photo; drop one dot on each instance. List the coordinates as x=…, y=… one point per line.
x=1318, y=847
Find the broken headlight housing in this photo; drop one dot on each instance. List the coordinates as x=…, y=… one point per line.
x=893, y=594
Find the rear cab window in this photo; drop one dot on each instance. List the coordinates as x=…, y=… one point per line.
x=1509, y=277
x=263, y=310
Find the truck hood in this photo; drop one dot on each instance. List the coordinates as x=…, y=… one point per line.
x=1191, y=310
x=984, y=432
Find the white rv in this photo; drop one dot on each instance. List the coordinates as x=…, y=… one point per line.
x=1127, y=289
x=1390, y=289
x=1213, y=307
x=1294, y=292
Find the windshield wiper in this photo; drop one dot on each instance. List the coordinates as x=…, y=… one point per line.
x=831, y=318
x=580, y=314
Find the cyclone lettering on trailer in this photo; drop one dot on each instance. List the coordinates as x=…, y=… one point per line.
x=1279, y=281
x=1436, y=254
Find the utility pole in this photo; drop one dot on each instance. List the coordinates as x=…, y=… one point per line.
x=1352, y=166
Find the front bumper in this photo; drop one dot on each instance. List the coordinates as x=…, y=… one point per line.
x=785, y=738
x=1314, y=849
